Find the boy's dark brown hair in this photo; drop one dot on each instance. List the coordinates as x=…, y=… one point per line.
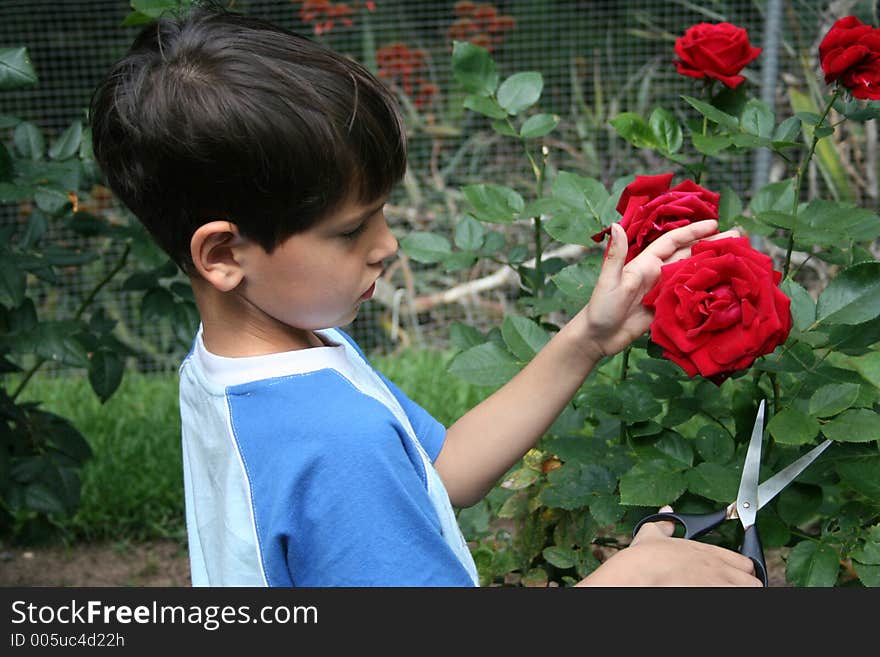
x=217, y=115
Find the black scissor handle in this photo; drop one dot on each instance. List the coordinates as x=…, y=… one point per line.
x=752, y=548
x=695, y=525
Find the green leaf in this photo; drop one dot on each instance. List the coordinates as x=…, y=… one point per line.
x=653, y=483
x=852, y=297
x=803, y=308
x=714, y=444
x=714, y=481
x=538, y=125
x=474, y=68
x=634, y=129
x=710, y=144
x=519, y=479
x=584, y=195
x=713, y=113
x=869, y=575
x=53, y=202
x=464, y=336
x=853, y=426
x=523, y=337
x=791, y=427
x=155, y=8
x=787, y=132
x=666, y=130
x=729, y=205
x=485, y=106
x=560, y=557
x=68, y=142
x=7, y=168
x=156, y=304
x=13, y=283
x=487, y=364
x=576, y=485
x=469, y=234
x=638, y=402
x=29, y=141
x=494, y=203
x=833, y=398
x=799, y=503
x=862, y=474
x=426, y=247
x=520, y=91
x=757, y=119
x=16, y=70
x=777, y=196
x=105, y=373
x=578, y=280
x=40, y=497
x=829, y=223
x=57, y=341
x=868, y=366
x=572, y=227
x=812, y=564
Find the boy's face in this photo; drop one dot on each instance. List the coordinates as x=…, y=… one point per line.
x=318, y=278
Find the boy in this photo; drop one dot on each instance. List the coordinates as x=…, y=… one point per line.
x=260, y=162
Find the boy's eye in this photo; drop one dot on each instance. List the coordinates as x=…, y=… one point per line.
x=354, y=233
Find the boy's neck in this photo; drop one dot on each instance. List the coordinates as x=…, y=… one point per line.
x=229, y=330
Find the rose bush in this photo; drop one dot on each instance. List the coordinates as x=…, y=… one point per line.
x=649, y=208
x=641, y=432
x=715, y=50
x=720, y=309
x=850, y=52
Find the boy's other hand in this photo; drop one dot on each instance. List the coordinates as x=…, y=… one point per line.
x=655, y=558
x=614, y=316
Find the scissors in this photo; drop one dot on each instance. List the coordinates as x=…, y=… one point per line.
x=750, y=498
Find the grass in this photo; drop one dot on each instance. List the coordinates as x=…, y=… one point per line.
x=133, y=487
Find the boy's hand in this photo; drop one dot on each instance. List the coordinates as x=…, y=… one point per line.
x=614, y=316
x=655, y=558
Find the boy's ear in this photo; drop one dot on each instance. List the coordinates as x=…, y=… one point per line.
x=214, y=253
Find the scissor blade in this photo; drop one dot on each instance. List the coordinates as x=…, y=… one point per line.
x=771, y=488
x=747, y=497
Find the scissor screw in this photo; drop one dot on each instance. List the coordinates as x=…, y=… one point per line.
x=746, y=505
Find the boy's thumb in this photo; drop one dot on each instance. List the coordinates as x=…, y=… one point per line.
x=656, y=529
x=617, y=246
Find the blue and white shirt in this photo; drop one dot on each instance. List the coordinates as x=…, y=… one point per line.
x=310, y=468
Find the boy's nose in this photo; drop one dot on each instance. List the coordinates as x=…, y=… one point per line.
x=386, y=244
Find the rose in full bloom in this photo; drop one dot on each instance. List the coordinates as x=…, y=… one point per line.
x=650, y=208
x=715, y=50
x=718, y=310
x=850, y=52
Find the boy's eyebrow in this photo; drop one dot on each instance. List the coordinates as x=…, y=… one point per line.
x=366, y=214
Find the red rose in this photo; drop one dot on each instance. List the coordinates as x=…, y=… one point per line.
x=650, y=208
x=718, y=51
x=850, y=52
x=718, y=310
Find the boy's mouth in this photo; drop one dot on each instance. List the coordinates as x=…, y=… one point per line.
x=369, y=293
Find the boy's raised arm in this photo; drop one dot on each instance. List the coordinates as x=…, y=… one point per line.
x=485, y=442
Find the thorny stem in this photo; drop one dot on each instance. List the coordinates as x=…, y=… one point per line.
x=800, y=174
x=79, y=312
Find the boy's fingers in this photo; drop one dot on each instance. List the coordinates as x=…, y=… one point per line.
x=666, y=245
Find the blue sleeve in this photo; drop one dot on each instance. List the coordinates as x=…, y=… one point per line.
x=338, y=492
x=430, y=432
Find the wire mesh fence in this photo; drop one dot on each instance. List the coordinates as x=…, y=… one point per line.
x=597, y=58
